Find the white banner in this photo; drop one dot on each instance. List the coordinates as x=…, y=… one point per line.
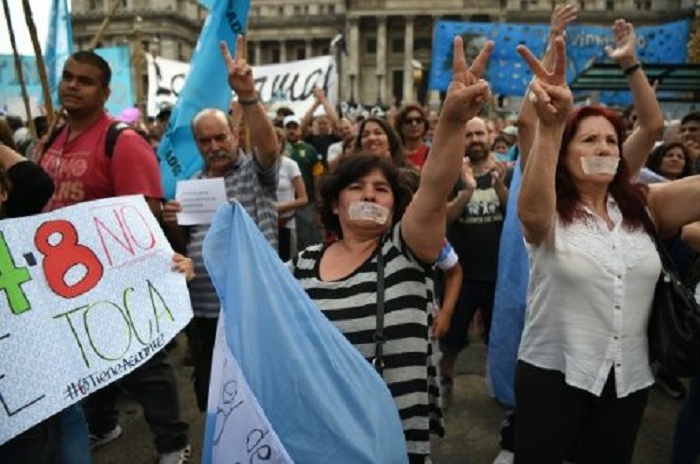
x=288, y=84
x=88, y=295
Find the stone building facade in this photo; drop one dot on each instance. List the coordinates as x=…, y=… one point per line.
x=386, y=48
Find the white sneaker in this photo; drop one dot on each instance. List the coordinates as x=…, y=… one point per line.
x=176, y=457
x=99, y=440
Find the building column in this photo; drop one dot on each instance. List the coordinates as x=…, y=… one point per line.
x=309, y=50
x=354, y=59
x=408, y=61
x=257, y=52
x=283, y=51
x=381, y=59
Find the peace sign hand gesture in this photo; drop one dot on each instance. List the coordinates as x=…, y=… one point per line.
x=467, y=92
x=548, y=92
x=240, y=74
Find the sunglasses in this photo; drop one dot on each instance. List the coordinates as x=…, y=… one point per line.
x=411, y=121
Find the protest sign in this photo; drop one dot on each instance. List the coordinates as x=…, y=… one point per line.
x=290, y=84
x=87, y=296
x=508, y=73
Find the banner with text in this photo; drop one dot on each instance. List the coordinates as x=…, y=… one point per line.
x=508, y=73
x=88, y=295
x=119, y=60
x=290, y=84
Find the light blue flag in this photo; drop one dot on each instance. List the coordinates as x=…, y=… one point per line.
x=324, y=401
x=206, y=86
x=206, y=3
x=509, y=305
x=59, y=44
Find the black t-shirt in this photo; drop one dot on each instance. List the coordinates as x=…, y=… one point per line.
x=476, y=233
x=321, y=143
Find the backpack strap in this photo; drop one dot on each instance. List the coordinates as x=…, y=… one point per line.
x=115, y=128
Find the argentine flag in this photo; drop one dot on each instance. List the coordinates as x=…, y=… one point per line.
x=313, y=397
x=59, y=44
x=206, y=86
x=509, y=304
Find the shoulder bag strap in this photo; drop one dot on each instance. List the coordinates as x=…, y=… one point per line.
x=379, y=339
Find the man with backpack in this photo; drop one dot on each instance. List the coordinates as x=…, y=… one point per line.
x=93, y=157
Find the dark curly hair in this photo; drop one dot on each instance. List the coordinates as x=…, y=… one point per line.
x=657, y=156
x=631, y=198
x=350, y=170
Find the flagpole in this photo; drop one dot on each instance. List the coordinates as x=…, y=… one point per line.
x=105, y=22
x=41, y=66
x=20, y=70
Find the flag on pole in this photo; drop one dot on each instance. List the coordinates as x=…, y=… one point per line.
x=321, y=398
x=206, y=3
x=59, y=44
x=206, y=86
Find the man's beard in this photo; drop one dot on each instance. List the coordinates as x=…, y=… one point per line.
x=477, y=151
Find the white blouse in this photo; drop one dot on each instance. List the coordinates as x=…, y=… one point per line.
x=589, y=301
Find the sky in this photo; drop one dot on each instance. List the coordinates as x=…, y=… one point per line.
x=40, y=13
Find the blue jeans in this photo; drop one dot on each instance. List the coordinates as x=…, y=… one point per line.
x=74, y=442
x=686, y=439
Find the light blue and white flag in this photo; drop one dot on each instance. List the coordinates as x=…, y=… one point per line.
x=206, y=86
x=509, y=304
x=59, y=44
x=311, y=394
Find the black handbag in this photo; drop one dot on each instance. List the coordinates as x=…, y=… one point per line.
x=674, y=325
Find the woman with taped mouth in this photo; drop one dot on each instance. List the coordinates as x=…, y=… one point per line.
x=583, y=373
x=364, y=203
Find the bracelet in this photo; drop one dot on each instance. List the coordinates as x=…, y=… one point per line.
x=631, y=69
x=248, y=101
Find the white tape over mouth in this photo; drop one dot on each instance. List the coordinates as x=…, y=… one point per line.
x=599, y=165
x=365, y=210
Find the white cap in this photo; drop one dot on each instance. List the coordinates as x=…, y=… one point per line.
x=510, y=130
x=292, y=118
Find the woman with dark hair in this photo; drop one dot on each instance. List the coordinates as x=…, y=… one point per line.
x=411, y=123
x=365, y=203
x=583, y=372
x=375, y=135
x=671, y=160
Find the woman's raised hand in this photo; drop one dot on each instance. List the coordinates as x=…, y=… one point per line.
x=625, y=51
x=467, y=92
x=548, y=91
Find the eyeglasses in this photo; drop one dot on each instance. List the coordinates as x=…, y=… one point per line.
x=411, y=121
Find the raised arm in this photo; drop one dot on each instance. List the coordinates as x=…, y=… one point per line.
x=675, y=204
x=424, y=223
x=552, y=101
x=240, y=78
x=562, y=15
x=650, y=120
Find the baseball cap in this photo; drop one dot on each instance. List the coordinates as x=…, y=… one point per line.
x=510, y=130
x=291, y=119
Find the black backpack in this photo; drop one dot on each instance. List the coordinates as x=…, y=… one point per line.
x=115, y=128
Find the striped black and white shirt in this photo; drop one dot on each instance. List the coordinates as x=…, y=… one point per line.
x=255, y=188
x=351, y=304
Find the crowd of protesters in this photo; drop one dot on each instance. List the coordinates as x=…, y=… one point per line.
x=424, y=193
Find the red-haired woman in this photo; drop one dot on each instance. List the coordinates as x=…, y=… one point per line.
x=583, y=372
